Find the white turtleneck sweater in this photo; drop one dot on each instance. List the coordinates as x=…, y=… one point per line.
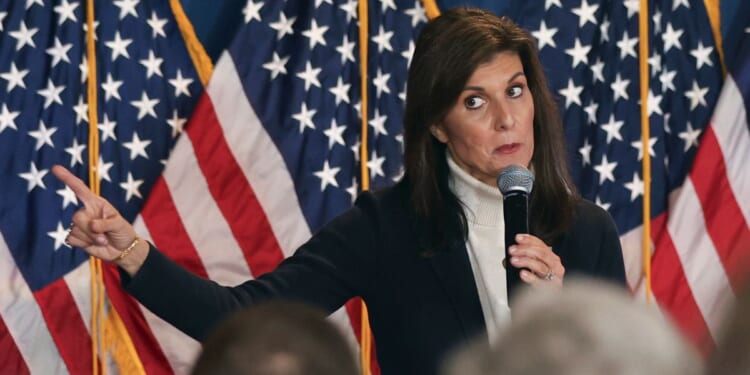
x=483, y=205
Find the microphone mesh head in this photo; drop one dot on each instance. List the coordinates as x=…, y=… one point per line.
x=515, y=178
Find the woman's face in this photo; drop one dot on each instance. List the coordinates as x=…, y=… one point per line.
x=491, y=125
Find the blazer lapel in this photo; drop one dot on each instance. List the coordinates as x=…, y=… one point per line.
x=454, y=272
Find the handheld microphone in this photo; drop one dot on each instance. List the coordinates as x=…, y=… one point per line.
x=515, y=183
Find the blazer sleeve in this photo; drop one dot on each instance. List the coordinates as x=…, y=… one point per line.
x=336, y=264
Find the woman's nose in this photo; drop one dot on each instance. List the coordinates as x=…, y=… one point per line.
x=504, y=119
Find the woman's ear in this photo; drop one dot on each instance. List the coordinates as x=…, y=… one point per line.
x=439, y=133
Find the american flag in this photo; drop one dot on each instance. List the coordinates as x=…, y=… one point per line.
x=271, y=153
x=699, y=198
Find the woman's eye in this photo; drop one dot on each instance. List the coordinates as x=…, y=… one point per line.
x=515, y=91
x=474, y=102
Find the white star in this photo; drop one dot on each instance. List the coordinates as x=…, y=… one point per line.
x=2, y=18
x=82, y=111
x=383, y=40
x=304, y=116
x=127, y=7
x=545, y=36
x=119, y=46
x=7, y=118
x=639, y=146
x=353, y=189
x=152, y=64
x=604, y=29
x=350, y=8
x=597, y=69
x=586, y=13
x=633, y=6
x=51, y=94
x=409, y=53
x=620, y=87
x=145, y=106
x=654, y=103
x=59, y=235
x=30, y=3
x=667, y=129
x=585, y=152
x=108, y=129
x=657, y=22
x=702, y=55
x=24, y=36
x=180, y=84
x=385, y=4
x=157, y=25
x=591, y=111
x=176, y=123
x=76, y=153
x=601, y=204
x=310, y=76
x=335, y=134
x=606, y=170
x=417, y=14
x=84, y=68
x=667, y=79
x=59, y=52
x=690, y=136
x=356, y=148
x=378, y=123
x=613, y=129
x=319, y=2
x=341, y=91
x=111, y=88
x=550, y=3
x=283, y=26
x=655, y=63
x=137, y=147
x=14, y=77
x=346, y=49
x=66, y=11
x=627, y=46
x=375, y=165
x=68, y=196
x=43, y=136
x=381, y=83
x=315, y=34
x=671, y=38
x=327, y=176
x=86, y=30
x=635, y=187
x=252, y=11
x=34, y=177
x=697, y=95
x=358, y=108
x=578, y=53
x=103, y=168
x=276, y=65
x=677, y=3
x=571, y=93
x=131, y=187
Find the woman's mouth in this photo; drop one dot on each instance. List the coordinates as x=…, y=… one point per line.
x=508, y=148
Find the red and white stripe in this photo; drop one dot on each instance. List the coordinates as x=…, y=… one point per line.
x=702, y=243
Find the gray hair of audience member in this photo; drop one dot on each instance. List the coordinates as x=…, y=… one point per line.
x=732, y=354
x=276, y=338
x=585, y=328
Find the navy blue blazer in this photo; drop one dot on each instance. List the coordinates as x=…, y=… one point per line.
x=420, y=307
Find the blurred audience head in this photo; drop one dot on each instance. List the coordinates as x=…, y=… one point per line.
x=585, y=328
x=276, y=338
x=732, y=354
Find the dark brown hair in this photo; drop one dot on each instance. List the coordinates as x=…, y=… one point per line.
x=448, y=51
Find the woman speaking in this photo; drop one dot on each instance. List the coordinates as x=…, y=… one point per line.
x=427, y=255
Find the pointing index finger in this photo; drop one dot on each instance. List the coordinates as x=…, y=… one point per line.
x=80, y=188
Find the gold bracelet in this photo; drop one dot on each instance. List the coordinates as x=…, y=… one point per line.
x=127, y=250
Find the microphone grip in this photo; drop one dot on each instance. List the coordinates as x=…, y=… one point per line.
x=515, y=213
